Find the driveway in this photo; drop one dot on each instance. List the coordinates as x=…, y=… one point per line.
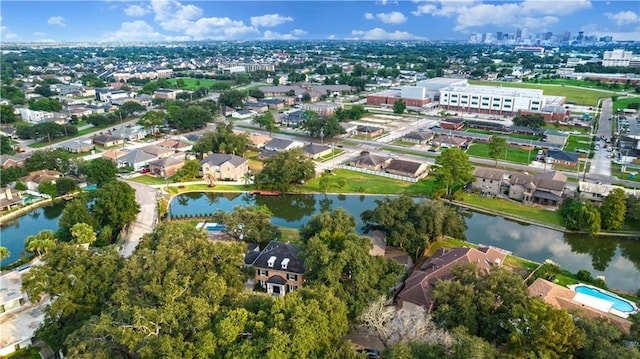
x=145, y=221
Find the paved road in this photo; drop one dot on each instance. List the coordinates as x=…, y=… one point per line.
x=145, y=221
x=600, y=164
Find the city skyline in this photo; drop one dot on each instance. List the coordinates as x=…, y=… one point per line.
x=175, y=20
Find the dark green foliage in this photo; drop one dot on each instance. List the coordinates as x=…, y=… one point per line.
x=66, y=185
x=13, y=94
x=99, y=171
x=45, y=104
x=58, y=160
x=580, y=216
x=411, y=225
x=222, y=140
x=320, y=126
x=453, y=169
x=529, y=120
x=7, y=115
x=76, y=211
x=5, y=146
x=189, y=118
x=12, y=174
x=602, y=339
x=48, y=188
x=399, y=107
x=632, y=205
x=250, y=224
x=115, y=205
x=232, y=98
x=284, y=169
x=613, y=209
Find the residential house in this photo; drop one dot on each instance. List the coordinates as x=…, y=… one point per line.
x=259, y=141
x=349, y=127
x=407, y=168
x=221, y=166
x=456, y=124
x=20, y=317
x=76, y=146
x=562, y=158
x=167, y=166
x=243, y=114
x=35, y=178
x=16, y=160
x=419, y=137
x=114, y=155
x=370, y=162
x=556, y=137
x=279, y=144
x=449, y=142
x=10, y=198
x=549, y=188
x=273, y=103
x=368, y=131
x=166, y=94
x=258, y=107
x=279, y=268
x=176, y=145
x=158, y=151
x=136, y=159
x=521, y=186
x=133, y=133
x=564, y=298
x=595, y=192
x=488, y=180
x=315, y=151
x=418, y=287
x=322, y=108
x=106, y=140
x=293, y=119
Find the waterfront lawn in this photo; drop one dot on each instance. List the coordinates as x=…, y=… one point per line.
x=581, y=96
x=150, y=180
x=357, y=182
x=514, y=209
x=512, y=155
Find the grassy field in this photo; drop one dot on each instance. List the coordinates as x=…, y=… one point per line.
x=356, y=182
x=525, y=137
x=582, y=130
x=616, y=171
x=581, y=96
x=407, y=152
x=514, y=208
x=192, y=84
x=574, y=142
x=622, y=103
x=572, y=82
x=512, y=155
x=400, y=142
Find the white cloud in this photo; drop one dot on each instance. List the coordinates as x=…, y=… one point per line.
x=39, y=33
x=394, y=17
x=138, y=30
x=623, y=17
x=368, y=16
x=173, y=16
x=269, y=20
x=298, y=32
x=528, y=14
x=271, y=35
x=219, y=28
x=381, y=34
x=136, y=11
x=57, y=21
x=599, y=31
x=331, y=37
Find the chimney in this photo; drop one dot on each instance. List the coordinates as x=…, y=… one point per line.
x=8, y=192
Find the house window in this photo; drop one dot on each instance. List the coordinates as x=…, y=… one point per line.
x=263, y=272
x=292, y=288
x=474, y=103
x=485, y=104
x=507, y=100
x=292, y=276
x=465, y=96
x=474, y=97
x=535, y=102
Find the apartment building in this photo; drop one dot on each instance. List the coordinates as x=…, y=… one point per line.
x=491, y=99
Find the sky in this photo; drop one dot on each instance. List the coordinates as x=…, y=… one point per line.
x=178, y=20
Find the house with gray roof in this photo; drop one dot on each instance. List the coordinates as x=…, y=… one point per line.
x=369, y=161
x=279, y=268
x=407, y=168
x=488, y=180
x=562, y=158
x=224, y=166
x=556, y=137
x=167, y=166
x=314, y=151
x=419, y=137
x=280, y=144
x=137, y=159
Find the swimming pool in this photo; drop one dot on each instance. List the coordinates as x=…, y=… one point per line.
x=213, y=227
x=616, y=302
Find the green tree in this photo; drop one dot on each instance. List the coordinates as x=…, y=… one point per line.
x=40, y=243
x=83, y=233
x=497, y=148
x=45, y=104
x=266, y=121
x=76, y=211
x=4, y=253
x=249, y=224
x=399, y=106
x=81, y=282
x=453, y=169
x=151, y=120
x=13, y=94
x=222, y=140
x=529, y=120
x=334, y=222
x=49, y=188
x=232, y=98
x=284, y=169
x=99, y=171
x=115, y=205
x=613, y=209
x=6, y=148
x=632, y=205
x=7, y=114
x=130, y=108
x=189, y=171
x=66, y=185
x=58, y=160
x=602, y=339
x=189, y=118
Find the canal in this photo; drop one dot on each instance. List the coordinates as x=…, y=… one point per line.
x=618, y=260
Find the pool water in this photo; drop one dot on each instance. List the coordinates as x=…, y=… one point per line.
x=618, y=303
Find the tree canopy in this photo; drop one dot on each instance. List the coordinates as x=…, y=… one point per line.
x=284, y=169
x=453, y=169
x=497, y=147
x=222, y=140
x=399, y=106
x=99, y=171
x=250, y=224
x=529, y=120
x=613, y=209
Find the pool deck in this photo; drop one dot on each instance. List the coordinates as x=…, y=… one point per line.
x=601, y=304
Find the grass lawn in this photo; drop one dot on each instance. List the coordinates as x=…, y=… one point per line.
x=616, y=171
x=512, y=155
x=477, y=130
x=572, y=82
x=574, y=142
x=192, y=83
x=581, y=96
x=400, y=142
x=357, y=182
x=150, y=180
x=525, y=137
x=622, y=103
x=514, y=208
x=407, y=152
x=289, y=234
x=328, y=156
x=582, y=130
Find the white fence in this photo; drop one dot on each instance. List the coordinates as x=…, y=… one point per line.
x=379, y=173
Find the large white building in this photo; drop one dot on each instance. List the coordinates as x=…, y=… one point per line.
x=491, y=99
x=617, y=57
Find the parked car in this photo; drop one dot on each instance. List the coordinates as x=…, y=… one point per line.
x=145, y=170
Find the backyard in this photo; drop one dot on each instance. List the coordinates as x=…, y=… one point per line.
x=622, y=103
x=578, y=142
x=511, y=155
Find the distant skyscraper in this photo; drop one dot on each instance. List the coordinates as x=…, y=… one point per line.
x=566, y=37
x=499, y=35
x=518, y=33
x=580, y=36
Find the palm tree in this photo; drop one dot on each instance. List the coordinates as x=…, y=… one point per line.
x=83, y=233
x=40, y=242
x=246, y=178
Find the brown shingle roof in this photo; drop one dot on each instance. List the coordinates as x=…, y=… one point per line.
x=488, y=173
